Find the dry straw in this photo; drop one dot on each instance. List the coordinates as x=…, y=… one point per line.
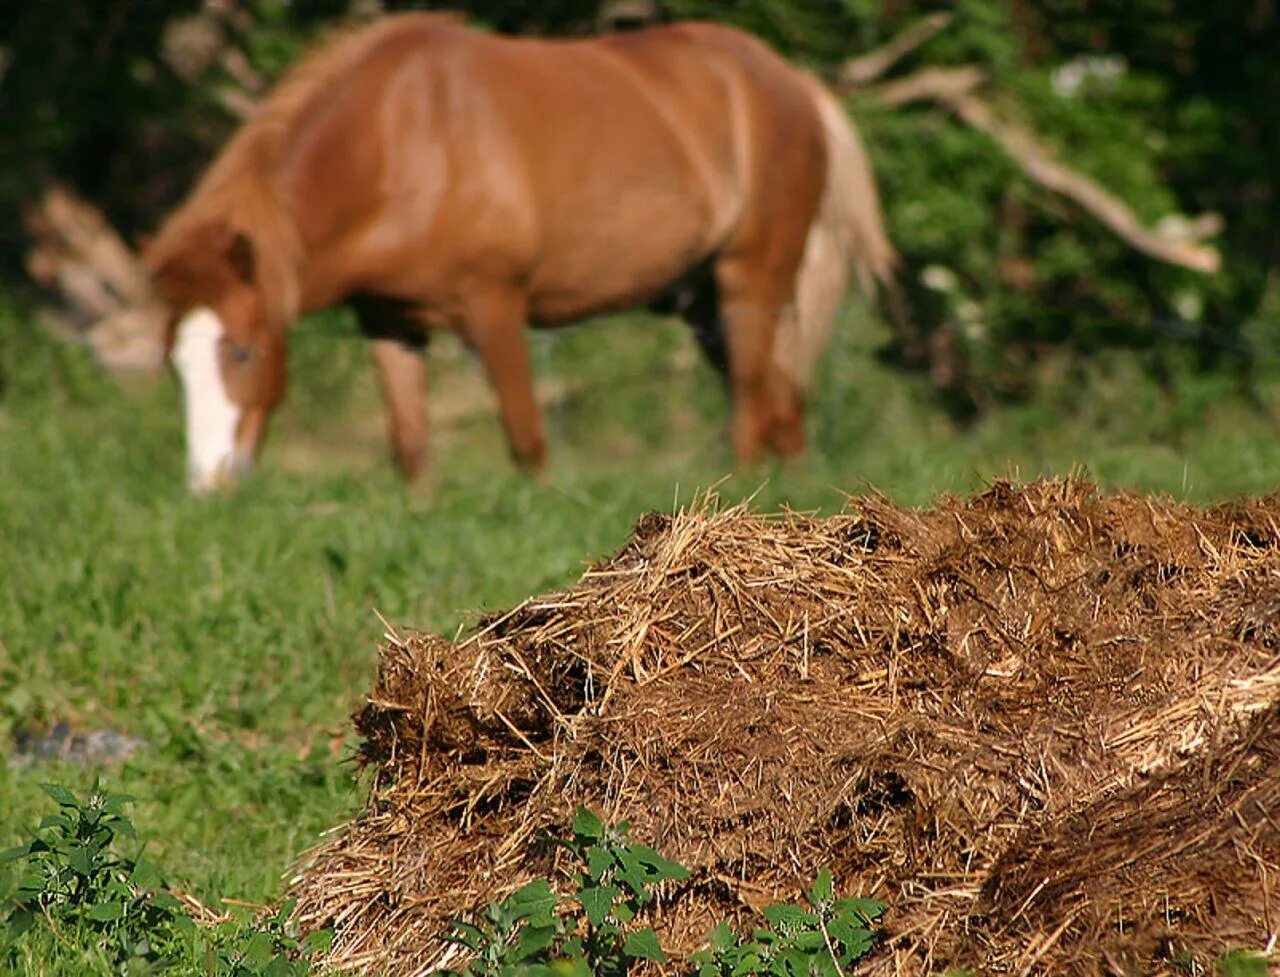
x=1042, y=724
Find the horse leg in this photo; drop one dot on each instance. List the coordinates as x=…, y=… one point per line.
x=786, y=400
x=767, y=406
x=402, y=371
x=398, y=344
x=494, y=326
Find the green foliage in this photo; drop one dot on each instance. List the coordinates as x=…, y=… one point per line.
x=1151, y=115
x=70, y=878
x=271, y=947
x=1242, y=963
x=531, y=935
x=526, y=934
x=612, y=887
x=511, y=936
x=823, y=939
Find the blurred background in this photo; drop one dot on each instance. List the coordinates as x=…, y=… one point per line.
x=1162, y=116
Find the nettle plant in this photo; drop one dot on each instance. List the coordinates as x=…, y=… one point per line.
x=596, y=929
x=821, y=940
x=70, y=878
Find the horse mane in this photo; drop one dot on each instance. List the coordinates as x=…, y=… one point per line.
x=240, y=191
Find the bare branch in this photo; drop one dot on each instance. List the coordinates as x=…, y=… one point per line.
x=944, y=85
x=1173, y=241
x=870, y=66
x=238, y=103
x=107, y=299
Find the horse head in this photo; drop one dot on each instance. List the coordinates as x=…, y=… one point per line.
x=228, y=353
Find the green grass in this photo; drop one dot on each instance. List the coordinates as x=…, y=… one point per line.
x=236, y=635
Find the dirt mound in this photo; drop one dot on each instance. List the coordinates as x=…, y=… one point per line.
x=1042, y=724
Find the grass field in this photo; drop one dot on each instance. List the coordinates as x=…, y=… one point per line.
x=234, y=636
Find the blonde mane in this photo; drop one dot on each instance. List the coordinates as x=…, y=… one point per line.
x=240, y=189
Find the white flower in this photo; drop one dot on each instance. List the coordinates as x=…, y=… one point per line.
x=939, y=278
x=1189, y=305
x=1068, y=78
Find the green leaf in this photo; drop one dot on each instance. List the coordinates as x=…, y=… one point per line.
x=792, y=962
x=318, y=941
x=167, y=903
x=531, y=899
x=643, y=945
x=597, y=902
x=635, y=878
x=115, y=804
x=859, y=944
x=259, y=949
x=146, y=876
x=660, y=868
x=587, y=824
x=183, y=923
x=823, y=890
x=789, y=919
x=20, y=920
x=124, y=827
x=465, y=935
x=866, y=909
x=105, y=912
x=623, y=912
x=846, y=928
x=574, y=966
x=722, y=937
x=599, y=861
x=533, y=940
x=61, y=795
x=810, y=941
x=1241, y=963
x=572, y=947
x=81, y=861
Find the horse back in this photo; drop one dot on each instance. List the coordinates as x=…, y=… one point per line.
x=589, y=172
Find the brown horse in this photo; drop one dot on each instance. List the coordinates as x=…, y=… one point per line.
x=436, y=176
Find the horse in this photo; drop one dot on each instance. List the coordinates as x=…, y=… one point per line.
x=434, y=176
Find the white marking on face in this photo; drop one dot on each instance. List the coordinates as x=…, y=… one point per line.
x=212, y=417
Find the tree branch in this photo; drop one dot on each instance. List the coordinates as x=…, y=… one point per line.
x=870, y=66
x=1172, y=241
x=107, y=300
x=944, y=85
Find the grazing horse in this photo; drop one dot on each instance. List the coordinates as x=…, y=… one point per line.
x=435, y=176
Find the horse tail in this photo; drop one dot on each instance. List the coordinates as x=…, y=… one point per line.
x=847, y=235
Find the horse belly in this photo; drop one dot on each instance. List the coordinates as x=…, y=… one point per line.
x=625, y=206
x=617, y=261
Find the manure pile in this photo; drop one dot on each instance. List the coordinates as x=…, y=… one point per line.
x=1042, y=724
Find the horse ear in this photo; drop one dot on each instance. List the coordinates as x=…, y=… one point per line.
x=240, y=254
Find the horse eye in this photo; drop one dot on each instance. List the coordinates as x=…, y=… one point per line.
x=240, y=354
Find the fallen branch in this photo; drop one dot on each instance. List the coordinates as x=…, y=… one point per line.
x=868, y=67
x=107, y=300
x=1174, y=241
x=929, y=84
x=79, y=253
